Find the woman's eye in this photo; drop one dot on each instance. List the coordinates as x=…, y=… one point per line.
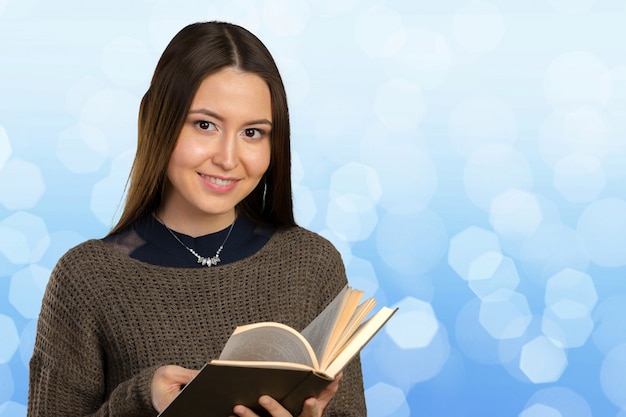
x=204, y=125
x=253, y=133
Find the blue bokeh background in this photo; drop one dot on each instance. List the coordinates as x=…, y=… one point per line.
x=467, y=157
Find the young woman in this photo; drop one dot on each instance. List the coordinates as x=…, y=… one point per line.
x=206, y=242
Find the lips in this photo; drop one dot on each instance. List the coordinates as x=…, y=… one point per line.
x=219, y=181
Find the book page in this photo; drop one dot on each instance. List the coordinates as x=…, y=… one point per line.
x=265, y=364
x=318, y=331
x=360, y=338
x=348, y=309
x=271, y=342
x=334, y=347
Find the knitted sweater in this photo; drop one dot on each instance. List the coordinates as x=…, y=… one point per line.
x=108, y=321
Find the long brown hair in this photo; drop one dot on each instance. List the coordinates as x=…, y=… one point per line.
x=196, y=52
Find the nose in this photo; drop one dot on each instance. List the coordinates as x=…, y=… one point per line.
x=226, y=153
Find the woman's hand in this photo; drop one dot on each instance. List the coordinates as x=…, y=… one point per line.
x=313, y=407
x=167, y=382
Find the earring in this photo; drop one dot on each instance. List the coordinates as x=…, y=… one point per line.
x=264, y=194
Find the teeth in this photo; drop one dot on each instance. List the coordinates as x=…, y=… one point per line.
x=218, y=181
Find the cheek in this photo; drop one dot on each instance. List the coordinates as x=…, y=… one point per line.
x=179, y=165
x=185, y=154
x=256, y=159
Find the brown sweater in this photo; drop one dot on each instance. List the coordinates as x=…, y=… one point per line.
x=108, y=321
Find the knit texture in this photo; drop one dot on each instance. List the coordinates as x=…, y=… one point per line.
x=108, y=321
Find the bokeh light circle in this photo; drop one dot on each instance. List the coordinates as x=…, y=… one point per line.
x=421, y=236
x=612, y=376
x=602, y=230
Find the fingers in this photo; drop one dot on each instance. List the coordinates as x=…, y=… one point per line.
x=330, y=391
x=312, y=407
x=167, y=381
x=242, y=411
x=267, y=402
x=173, y=375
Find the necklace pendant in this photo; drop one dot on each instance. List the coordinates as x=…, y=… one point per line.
x=208, y=261
x=201, y=259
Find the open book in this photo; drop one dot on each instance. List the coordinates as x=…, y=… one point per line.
x=274, y=359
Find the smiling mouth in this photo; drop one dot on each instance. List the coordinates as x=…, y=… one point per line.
x=218, y=181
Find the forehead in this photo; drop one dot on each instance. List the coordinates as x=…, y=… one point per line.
x=230, y=90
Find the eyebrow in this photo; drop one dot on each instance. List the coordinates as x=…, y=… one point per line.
x=218, y=117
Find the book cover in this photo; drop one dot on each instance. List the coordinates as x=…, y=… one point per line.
x=274, y=359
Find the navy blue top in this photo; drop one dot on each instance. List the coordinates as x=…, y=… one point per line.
x=158, y=247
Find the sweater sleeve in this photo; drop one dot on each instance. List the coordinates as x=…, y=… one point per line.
x=67, y=369
x=349, y=401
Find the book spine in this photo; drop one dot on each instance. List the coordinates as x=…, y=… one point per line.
x=311, y=386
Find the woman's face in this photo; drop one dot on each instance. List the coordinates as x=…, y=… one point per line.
x=221, y=154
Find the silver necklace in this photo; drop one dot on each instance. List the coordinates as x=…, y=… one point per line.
x=212, y=261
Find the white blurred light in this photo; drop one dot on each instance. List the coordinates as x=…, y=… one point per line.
x=10, y=339
x=24, y=238
x=579, y=178
x=540, y=410
x=493, y=170
x=573, y=7
x=542, y=361
x=399, y=104
x=474, y=253
x=21, y=184
x=361, y=275
x=411, y=244
x=414, y=325
x=7, y=385
x=12, y=409
x=602, y=230
x=567, y=324
x=612, y=376
x=418, y=365
x=515, y=214
x=610, y=331
x=505, y=314
x=5, y=147
x=568, y=402
x=478, y=27
x=107, y=194
x=425, y=57
x=127, y=62
x=304, y=206
x=296, y=78
x=27, y=289
x=575, y=78
x=286, y=17
x=552, y=248
x=113, y=112
x=573, y=285
x=241, y=12
x=352, y=217
x=584, y=129
x=82, y=149
x=473, y=340
x=406, y=171
x=379, y=31
x=385, y=400
x=356, y=179
x=479, y=121
x=505, y=276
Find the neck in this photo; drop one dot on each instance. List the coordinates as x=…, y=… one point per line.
x=195, y=226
